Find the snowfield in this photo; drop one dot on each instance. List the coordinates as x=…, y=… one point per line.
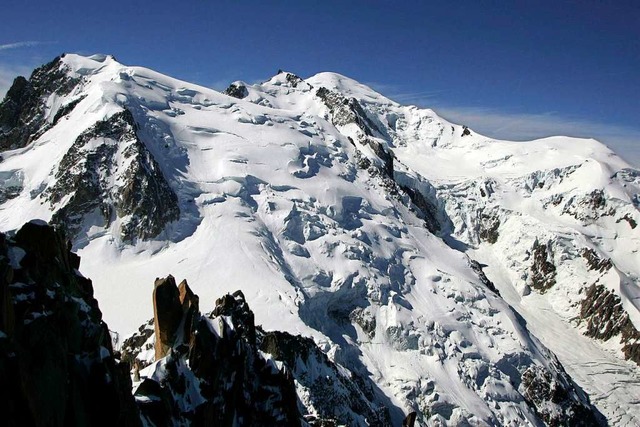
x=287, y=194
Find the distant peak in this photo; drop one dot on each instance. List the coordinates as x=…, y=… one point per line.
x=285, y=78
x=100, y=57
x=347, y=87
x=87, y=64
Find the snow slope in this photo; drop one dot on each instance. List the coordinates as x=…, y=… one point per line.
x=284, y=194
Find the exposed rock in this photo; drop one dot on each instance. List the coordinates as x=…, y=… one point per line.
x=556, y=401
x=57, y=365
x=335, y=398
x=137, y=342
x=425, y=207
x=347, y=110
x=477, y=268
x=167, y=314
x=363, y=318
x=632, y=222
x=237, y=90
x=489, y=226
x=220, y=368
x=409, y=420
x=190, y=307
x=23, y=112
x=384, y=155
x=542, y=271
x=344, y=111
x=11, y=185
x=143, y=198
x=606, y=318
x=237, y=386
x=595, y=262
x=588, y=208
x=236, y=307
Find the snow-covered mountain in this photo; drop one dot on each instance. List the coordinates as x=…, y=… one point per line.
x=470, y=280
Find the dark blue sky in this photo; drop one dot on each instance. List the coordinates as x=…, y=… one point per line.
x=508, y=69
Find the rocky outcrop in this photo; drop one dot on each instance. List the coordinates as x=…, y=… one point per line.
x=237, y=90
x=595, y=262
x=173, y=308
x=489, y=227
x=167, y=312
x=24, y=111
x=477, y=268
x=57, y=364
x=211, y=372
x=588, y=208
x=329, y=394
x=425, y=208
x=111, y=152
x=346, y=110
x=606, y=318
x=556, y=401
x=232, y=372
x=543, y=270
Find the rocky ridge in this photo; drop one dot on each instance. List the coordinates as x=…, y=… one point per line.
x=25, y=113
x=108, y=171
x=201, y=363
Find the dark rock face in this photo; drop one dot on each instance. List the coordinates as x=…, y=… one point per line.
x=57, y=365
x=425, y=207
x=410, y=420
x=11, y=185
x=23, y=112
x=595, y=262
x=365, y=320
x=543, y=271
x=237, y=90
x=144, y=198
x=632, y=222
x=606, y=318
x=344, y=111
x=556, y=401
x=477, y=268
x=489, y=226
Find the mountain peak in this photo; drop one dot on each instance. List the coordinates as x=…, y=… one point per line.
x=436, y=262
x=348, y=87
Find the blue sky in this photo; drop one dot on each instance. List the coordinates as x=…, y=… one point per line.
x=514, y=70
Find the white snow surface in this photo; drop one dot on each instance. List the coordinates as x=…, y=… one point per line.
x=274, y=205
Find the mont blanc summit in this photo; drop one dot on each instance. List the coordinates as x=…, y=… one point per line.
x=348, y=259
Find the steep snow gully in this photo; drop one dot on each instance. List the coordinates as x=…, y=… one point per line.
x=420, y=266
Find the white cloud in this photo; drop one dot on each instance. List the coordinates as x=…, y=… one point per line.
x=18, y=45
x=624, y=140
